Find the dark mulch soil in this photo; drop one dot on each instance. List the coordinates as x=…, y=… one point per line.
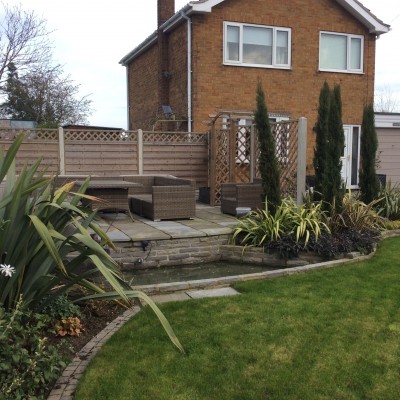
x=96, y=316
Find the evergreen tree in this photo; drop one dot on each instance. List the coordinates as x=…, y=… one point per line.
x=369, y=186
x=268, y=165
x=321, y=129
x=335, y=189
x=46, y=96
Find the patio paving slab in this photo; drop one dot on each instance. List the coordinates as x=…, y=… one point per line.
x=209, y=221
x=175, y=229
x=219, y=292
x=141, y=231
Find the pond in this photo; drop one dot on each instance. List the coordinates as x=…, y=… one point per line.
x=184, y=273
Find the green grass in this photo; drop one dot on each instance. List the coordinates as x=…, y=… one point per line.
x=332, y=334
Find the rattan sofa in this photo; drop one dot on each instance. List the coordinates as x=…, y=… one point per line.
x=162, y=197
x=155, y=197
x=240, y=195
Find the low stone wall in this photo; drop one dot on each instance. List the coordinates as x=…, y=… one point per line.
x=255, y=255
x=159, y=253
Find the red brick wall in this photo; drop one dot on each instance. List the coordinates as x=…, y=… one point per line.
x=143, y=90
x=217, y=86
x=178, y=69
x=297, y=90
x=165, y=10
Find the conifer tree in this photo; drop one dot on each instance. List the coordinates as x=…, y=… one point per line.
x=321, y=129
x=369, y=145
x=268, y=165
x=335, y=189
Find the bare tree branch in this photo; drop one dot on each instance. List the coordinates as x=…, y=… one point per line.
x=385, y=100
x=24, y=41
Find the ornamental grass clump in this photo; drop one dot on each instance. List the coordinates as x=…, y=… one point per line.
x=355, y=215
x=389, y=204
x=288, y=221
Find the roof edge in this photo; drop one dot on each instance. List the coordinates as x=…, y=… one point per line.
x=141, y=48
x=365, y=16
x=354, y=7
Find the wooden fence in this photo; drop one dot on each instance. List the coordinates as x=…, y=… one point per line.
x=97, y=152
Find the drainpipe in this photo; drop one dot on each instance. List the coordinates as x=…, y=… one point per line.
x=189, y=70
x=127, y=99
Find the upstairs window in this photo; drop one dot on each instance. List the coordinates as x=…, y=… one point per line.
x=340, y=52
x=256, y=45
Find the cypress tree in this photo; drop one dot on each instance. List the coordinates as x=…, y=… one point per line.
x=321, y=128
x=369, y=145
x=335, y=188
x=268, y=165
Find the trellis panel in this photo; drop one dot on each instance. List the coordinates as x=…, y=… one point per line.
x=235, y=152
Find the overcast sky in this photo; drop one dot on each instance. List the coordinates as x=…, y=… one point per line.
x=91, y=36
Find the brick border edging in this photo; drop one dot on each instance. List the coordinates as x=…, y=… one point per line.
x=66, y=384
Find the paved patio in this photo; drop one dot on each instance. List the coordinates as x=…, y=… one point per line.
x=209, y=221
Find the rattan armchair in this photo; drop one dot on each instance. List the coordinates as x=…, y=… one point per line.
x=163, y=197
x=240, y=195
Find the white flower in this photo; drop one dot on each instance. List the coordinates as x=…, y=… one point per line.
x=7, y=270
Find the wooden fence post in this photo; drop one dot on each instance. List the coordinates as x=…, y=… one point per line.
x=252, y=153
x=61, y=149
x=301, y=159
x=140, y=152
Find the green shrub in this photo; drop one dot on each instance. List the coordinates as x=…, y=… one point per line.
x=289, y=219
x=62, y=307
x=28, y=365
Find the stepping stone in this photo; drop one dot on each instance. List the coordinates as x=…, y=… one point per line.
x=165, y=298
x=219, y=292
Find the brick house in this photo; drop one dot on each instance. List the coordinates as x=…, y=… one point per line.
x=209, y=56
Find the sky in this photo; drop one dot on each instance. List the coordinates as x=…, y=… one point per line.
x=90, y=37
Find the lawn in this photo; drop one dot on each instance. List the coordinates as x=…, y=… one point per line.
x=331, y=334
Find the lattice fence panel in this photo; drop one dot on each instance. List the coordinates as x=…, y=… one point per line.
x=99, y=136
x=38, y=143
x=181, y=154
x=286, y=142
x=30, y=134
x=101, y=152
x=175, y=137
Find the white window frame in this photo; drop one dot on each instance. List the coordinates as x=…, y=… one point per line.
x=348, y=69
x=349, y=152
x=240, y=62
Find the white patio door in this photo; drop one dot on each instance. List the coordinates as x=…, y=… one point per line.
x=351, y=155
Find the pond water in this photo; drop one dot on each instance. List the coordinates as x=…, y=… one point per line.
x=192, y=272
